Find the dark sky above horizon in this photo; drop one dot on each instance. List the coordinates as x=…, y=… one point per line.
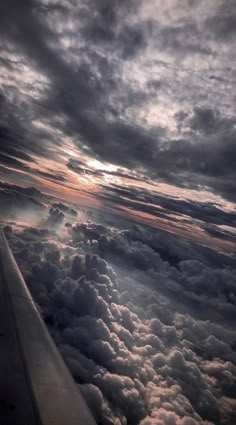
x=124, y=104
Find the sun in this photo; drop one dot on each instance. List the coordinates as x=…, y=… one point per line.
x=97, y=165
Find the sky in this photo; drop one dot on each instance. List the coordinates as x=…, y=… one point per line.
x=127, y=106
x=117, y=197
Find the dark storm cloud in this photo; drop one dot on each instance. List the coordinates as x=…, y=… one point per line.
x=13, y=152
x=19, y=140
x=223, y=22
x=33, y=36
x=81, y=95
x=22, y=26
x=24, y=29
x=105, y=27
x=18, y=136
x=139, y=343
x=187, y=163
x=209, y=121
x=220, y=233
x=28, y=191
x=50, y=176
x=154, y=203
x=184, y=39
x=13, y=162
x=13, y=135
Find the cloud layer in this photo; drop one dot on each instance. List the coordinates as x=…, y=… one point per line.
x=144, y=320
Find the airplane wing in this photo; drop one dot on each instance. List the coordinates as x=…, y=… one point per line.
x=36, y=388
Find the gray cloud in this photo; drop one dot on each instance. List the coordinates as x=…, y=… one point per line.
x=223, y=22
x=65, y=209
x=220, y=233
x=55, y=217
x=147, y=339
x=185, y=39
x=159, y=205
x=19, y=137
x=80, y=94
x=18, y=201
x=12, y=162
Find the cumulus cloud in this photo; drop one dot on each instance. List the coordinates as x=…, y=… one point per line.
x=65, y=209
x=55, y=217
x=144, y=321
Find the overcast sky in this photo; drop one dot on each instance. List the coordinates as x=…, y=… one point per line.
x=123, y=104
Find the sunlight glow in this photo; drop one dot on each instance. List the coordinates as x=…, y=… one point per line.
x=97, y=165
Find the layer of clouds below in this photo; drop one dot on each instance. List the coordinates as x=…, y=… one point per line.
x=144, y=320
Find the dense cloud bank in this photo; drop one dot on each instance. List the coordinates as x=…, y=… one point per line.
x=144, y=321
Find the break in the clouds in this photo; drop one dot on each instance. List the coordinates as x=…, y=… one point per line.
x=119, y=92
